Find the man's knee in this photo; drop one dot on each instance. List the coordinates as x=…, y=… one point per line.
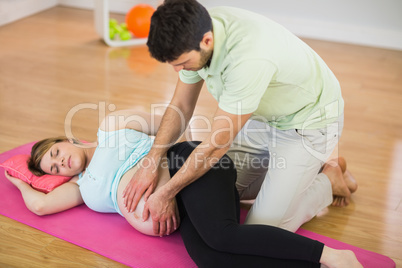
x=251, y=172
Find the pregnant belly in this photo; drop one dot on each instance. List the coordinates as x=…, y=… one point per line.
x=135, y=218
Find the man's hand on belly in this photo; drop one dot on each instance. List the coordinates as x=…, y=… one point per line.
x=164, y=213
x=143, y=183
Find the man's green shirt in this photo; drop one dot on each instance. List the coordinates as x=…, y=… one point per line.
x=260, y=67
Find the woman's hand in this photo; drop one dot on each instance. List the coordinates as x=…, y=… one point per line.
x=61, y=198
x=17, y=182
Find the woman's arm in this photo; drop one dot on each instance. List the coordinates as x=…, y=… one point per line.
x=64, y=197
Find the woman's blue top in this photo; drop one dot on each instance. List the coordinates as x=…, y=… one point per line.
x=116, y=153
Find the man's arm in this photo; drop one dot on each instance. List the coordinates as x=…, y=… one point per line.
x=174, y=122
x=176, y=117
x=224, y=129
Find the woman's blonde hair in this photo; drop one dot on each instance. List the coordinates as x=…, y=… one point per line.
x=39, y=150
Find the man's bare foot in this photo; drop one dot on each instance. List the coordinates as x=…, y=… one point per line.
x=350, y=181
x=341, y=162
x=334, y=173
x=340, y=201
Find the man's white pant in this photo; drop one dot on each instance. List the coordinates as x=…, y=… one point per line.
x=280, y=170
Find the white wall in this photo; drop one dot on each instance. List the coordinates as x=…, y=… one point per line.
x=12, y=10
x=118, y=6
x=366, y=22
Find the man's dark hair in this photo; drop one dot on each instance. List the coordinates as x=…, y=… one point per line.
x=177, y=27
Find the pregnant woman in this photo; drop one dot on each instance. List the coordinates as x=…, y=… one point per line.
x=208, y=208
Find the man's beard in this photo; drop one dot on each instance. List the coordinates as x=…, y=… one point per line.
x=205, y=58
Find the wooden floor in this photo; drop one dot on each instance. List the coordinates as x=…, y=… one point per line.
x=54, y=68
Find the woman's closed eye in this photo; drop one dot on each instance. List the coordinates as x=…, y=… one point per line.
x=56, y=154
x=54, y=169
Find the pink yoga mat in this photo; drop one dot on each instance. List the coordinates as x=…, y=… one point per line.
x=111, y=236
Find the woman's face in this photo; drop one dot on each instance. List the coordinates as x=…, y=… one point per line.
x=64, y=159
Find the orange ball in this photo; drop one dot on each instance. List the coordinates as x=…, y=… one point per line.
x=138, y=20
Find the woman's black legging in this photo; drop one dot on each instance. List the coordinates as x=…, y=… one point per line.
x=209, y=211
